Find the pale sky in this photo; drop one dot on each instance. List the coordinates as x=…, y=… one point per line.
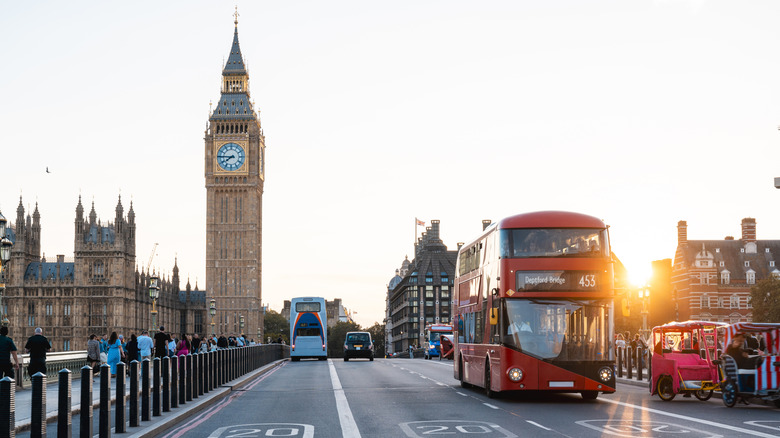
x=642, y=113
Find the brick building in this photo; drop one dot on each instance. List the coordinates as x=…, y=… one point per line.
x=711, y=279
x=98, y=290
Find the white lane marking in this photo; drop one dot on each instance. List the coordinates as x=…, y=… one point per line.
x=537, y=424
x=460, y=393
x=349, y=428
x=440, y=384
x=696, y=420
x=490, y=406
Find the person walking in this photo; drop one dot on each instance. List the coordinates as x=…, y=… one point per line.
x=93, y=353
x=115, y=352
x=7, y=349
x=132, y=349
x=183, y=348
x=37, y=345
x=145, y=345
x=195, y=343
x=161, y=343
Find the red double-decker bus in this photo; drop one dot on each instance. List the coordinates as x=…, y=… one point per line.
x=534, y=306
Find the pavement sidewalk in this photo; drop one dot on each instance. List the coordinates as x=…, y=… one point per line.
x=147, y=428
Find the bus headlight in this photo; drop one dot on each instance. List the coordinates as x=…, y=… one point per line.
x=515, y=374
x=605, y=374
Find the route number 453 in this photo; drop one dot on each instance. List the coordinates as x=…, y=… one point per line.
x=588, y=281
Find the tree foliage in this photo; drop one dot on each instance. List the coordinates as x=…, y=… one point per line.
x=336, y=336
x=765, y=299
x=276, y=325
x=378, y=336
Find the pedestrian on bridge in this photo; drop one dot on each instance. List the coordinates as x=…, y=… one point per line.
x=37, y=345
x=7, y=349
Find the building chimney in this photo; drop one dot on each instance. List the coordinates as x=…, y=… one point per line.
x=486, y=223
x=748, y=230
x=682, y=232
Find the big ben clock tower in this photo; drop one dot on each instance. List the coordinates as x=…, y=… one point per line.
x=234, y=171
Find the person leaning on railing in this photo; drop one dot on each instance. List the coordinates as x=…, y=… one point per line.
x=7, y=349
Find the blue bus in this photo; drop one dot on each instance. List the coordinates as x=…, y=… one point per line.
x=308, y=329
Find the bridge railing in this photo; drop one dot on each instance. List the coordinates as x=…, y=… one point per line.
x=163, y=384
x=56, y=361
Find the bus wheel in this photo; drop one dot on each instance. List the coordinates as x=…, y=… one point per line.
x=488, y=391
x=665, y=388
x=589, y=395
x=346, y=359
x=703, y=395
x=295, y=359
x=461, y=377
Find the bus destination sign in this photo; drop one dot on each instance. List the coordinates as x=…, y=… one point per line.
x=544, y=281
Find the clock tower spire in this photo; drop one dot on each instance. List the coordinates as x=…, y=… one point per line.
x=234, y=178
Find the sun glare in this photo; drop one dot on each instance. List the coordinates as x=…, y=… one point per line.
x=639, y=274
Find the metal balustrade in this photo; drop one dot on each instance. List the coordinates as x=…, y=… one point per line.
x=163, y=383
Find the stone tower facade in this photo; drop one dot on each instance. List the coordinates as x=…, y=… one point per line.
x=235, y=173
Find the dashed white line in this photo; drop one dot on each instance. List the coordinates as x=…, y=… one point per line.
x=490, y=406
x=460, y=393
x=348, y=426
x=537, y=424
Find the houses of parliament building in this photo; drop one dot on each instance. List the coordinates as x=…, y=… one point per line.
x=101, y=290
x=98, y=291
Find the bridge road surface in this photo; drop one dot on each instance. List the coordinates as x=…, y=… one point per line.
x=419, y=398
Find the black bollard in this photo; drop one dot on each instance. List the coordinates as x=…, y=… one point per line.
x=182, y=365
x=38, y=407
x=104, y=416
x=146, y=411
x=629, y=365
x=188, y=378
x=620, y=361
x=64, y=416
x=85, y=418
x=133, y=410
x=119, y=404
x=639, y=368
x=201, y=374
x=166, y=384
x=174, y=382
x=156, y=410
x=195, y=375
x=8, y=406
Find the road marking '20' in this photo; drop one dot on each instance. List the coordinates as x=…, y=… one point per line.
x=639, y=428
x=264, y=430
x=422, y=429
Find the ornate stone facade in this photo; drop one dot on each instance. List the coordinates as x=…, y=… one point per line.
x=98, y=290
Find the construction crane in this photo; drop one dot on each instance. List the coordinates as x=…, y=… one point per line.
x=151, y=257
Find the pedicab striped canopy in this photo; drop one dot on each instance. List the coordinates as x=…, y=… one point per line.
x=767, y=374
x=770, y=331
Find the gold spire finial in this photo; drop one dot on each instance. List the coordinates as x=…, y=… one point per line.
x=235, y=15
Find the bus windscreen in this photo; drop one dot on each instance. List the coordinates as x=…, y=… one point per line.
x=301, y=307
x=559, y=329
x=554, y=242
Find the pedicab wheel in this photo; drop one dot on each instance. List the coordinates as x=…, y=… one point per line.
x=729, y=391
x=665, y=388
x=703, y=395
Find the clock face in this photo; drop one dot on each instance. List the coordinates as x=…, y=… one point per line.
x=230, y=156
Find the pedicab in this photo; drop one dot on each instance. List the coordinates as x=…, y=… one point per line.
x=682, y=359
x=759, y=376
